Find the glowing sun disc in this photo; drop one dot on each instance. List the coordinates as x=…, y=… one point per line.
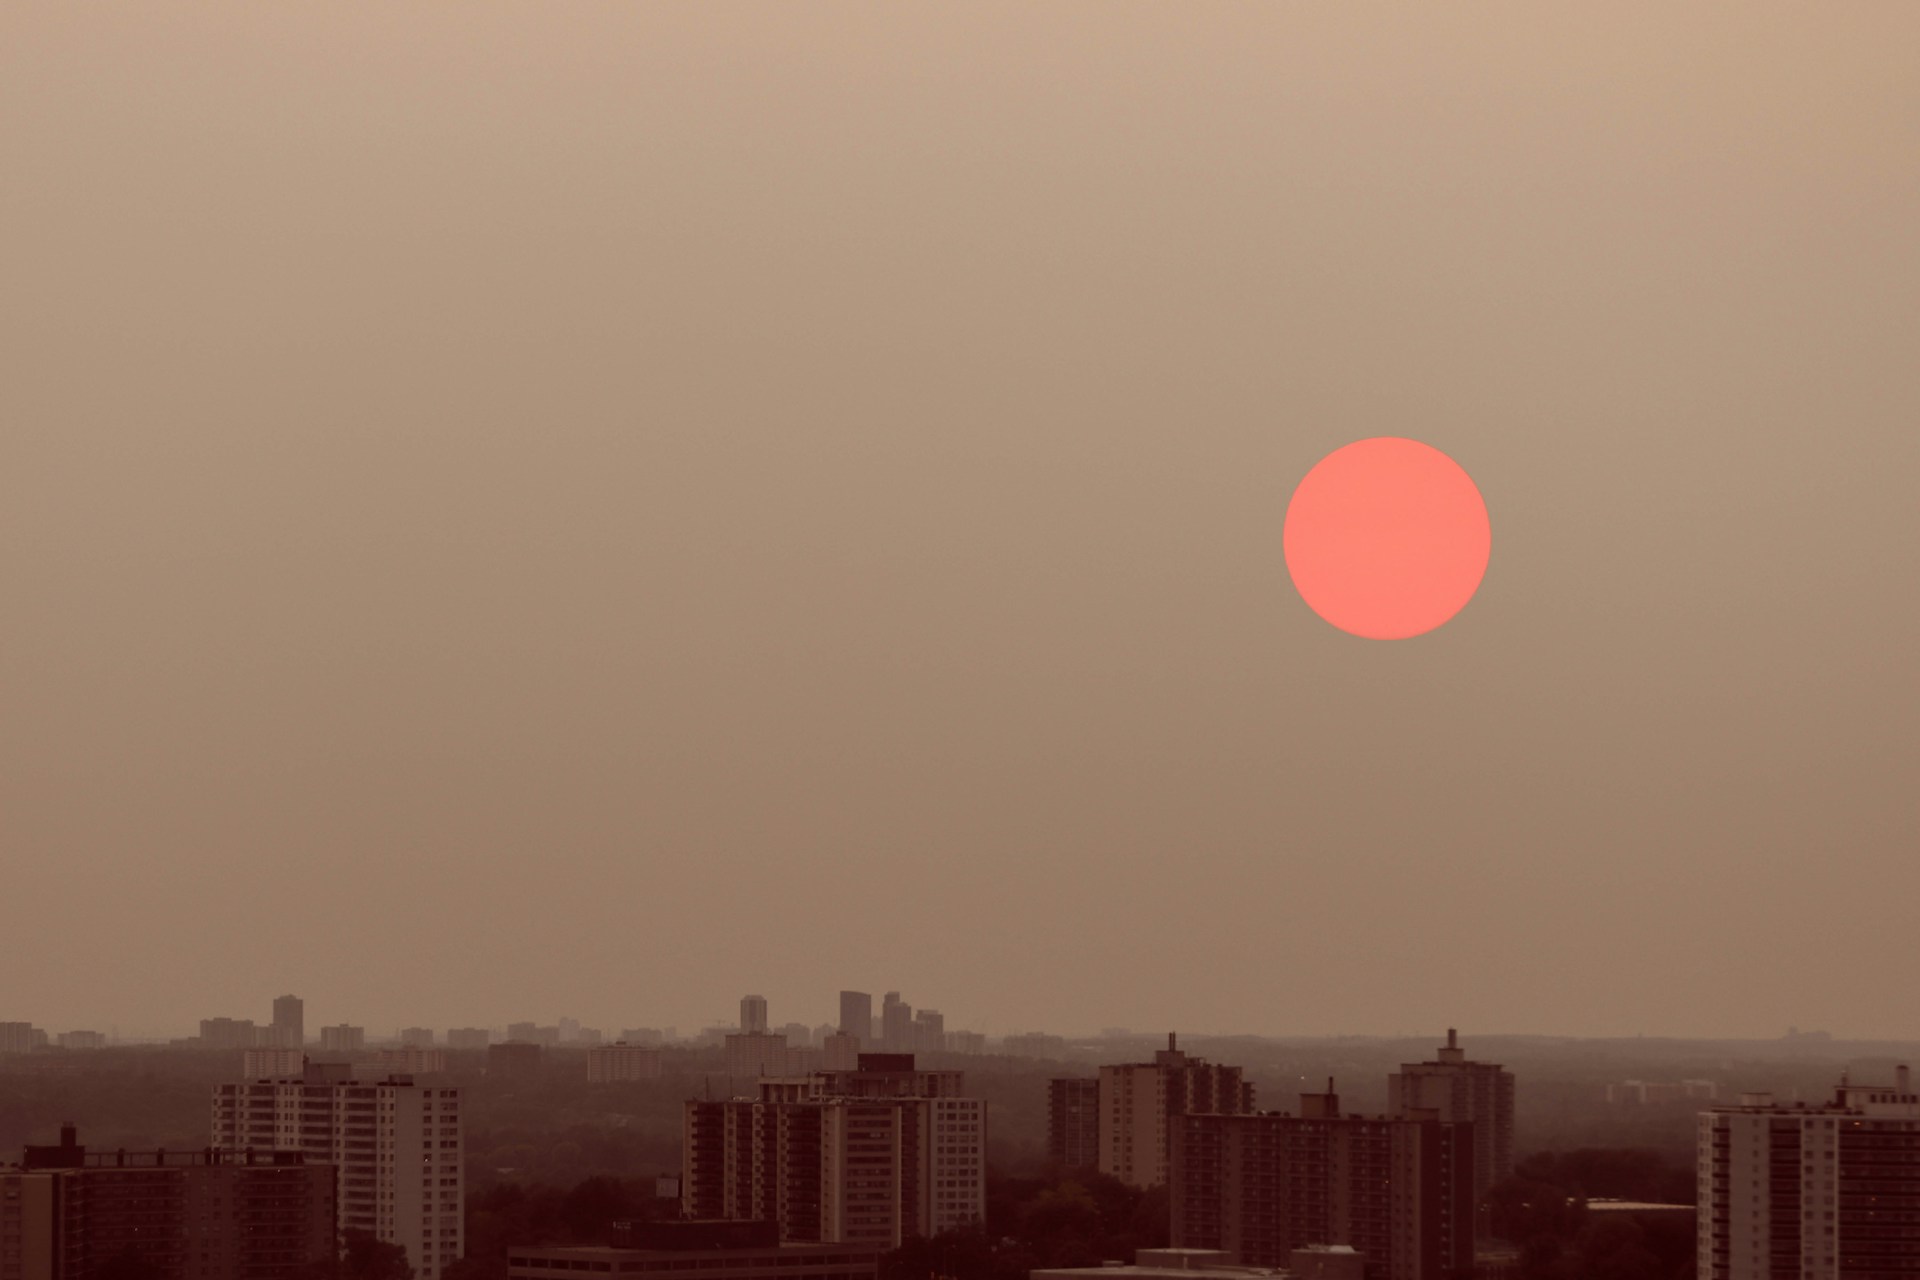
x=1387, y=538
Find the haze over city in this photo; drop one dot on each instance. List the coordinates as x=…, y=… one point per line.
x=592, y=510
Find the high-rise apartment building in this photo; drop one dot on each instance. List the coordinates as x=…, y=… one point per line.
x=256, y=1063
x=929, y=1032
x=1399, y=1191
x=21, y=1037
x=344, y=1038
x=872, y=1157
x=752, y=1054
x=1823, y=1192
x=1138, y=1101
x=468, y=1038
x=839, y=1051
x=68, y=1214
x=396, y=1145
x=81, y=1040
x=228, y=1033
x=856, y=1016
x=416, y=1037
x=753, y=1014
x=1073, y=1121
x=609, y=1063
x=1452, y=1088
x=289, y=1022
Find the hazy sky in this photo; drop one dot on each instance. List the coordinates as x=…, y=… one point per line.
x=522, y=510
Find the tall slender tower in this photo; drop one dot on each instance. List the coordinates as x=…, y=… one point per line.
x=856, y=1016
x=753, y=1014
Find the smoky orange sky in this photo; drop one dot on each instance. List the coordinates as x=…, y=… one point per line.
x=522, y=510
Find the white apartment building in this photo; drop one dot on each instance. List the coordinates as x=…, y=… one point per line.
x=1821, y=1192
x=397, y=1147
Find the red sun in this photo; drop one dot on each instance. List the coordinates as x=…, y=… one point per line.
x=1387, y=538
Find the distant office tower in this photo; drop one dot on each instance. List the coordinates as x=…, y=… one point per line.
x=81, y=1040
x=255, y=1063
x=1824, y=1192
x=514, y=1059
x=753, y=1014
x=873, y=1156
x=970, y=1042
x=569, y=1030
x=752, y=1054
x=1264, y=1185
x=67, y=1214
x=613, y=1062
x=228, y=1033
x=417, y=1037
x=856, y=1016
x=799, y=1035
x=929, y=1032
x=896, y=1024
x=396, y=1145
x=468, y=1038
x=289, y=1022
x=344, y=1038
x=1073, y=1121
x=1453, y=1088
x=526, y=1032
x=1138, y=1101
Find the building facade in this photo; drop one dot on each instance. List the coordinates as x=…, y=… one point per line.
x=1452, y=1088
x=1822, y=1192
x=1139, y=1101
x=70, y=1214
x=396, y=1145
x=856, y=1015
x=1073, y=1121
x=1260, y=1186
x=289, y=1022
x=610, y=1063
x=872, y=1157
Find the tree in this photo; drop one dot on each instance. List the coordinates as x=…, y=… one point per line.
x=367, y=1258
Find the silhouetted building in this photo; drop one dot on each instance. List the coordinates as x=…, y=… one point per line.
x=1138, y=1101
x=70, y=1214
x=81, y=1040
x=752, y=1054
x=753, y=1014
x=410, y=1062
x=856, y=1015
x=872, y=1157
x=1399, y=1191
x=1073, y=1121
x=397, y=1145
x=1452, y=1088
x=289, y=1023
x=609, y=1063
x=839, y=1052
x=468, y=1038
x=416, y=1037
x=1826, y=1192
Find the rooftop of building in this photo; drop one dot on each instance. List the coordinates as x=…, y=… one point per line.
x=1167, y=1264
x=70, y=1154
